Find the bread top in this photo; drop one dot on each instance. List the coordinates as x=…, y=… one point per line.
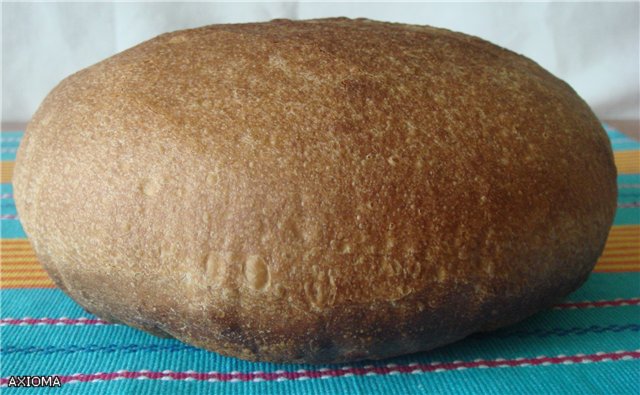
x=292, y=169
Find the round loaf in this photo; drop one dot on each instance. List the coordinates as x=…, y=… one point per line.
x=315, y=191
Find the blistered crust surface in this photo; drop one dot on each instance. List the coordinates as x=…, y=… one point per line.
x=315, y=191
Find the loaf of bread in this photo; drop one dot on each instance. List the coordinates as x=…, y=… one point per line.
x=315, y=191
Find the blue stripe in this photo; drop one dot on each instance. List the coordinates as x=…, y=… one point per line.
x=11, y=229
x=627, y=216
x=12, y=134
x=8, y=145
x=171, y=354
x=6, y=188
x=628, y=192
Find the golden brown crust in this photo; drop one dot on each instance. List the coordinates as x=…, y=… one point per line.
x=316, y=191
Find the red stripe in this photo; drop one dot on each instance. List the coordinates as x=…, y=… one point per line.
x=38, y=276
x=621, y=254
x=27, y=270
x=624, y=260
x=624, y=229
x=625, y=235
x=612, y=264
x=32, y=262
x=621, y=248
x=615, y=244
x=621, y=240
x=629, y=205
x=347, y=370
x=53, y=321
x=599, y=303
x=29, y=286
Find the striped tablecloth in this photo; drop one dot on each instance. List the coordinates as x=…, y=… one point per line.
x=589, y=343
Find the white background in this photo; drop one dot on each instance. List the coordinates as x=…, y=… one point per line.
x=592, y=46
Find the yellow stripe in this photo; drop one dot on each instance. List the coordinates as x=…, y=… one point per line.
x=617, y=268
x=10, y=259
x=25, y=276
x=623, y=236
x=621, y=241
x=22, y=266
x=27, y=284
x=617, y=259
x=21, y=287
x=9, y=246
x=629, y=248
x=627, y=232
x=19, y=258
x=15, y=272
x=612, y=262
x=28, y=265
x=619, y=229
x=628, y=245
x=629, y=253
x=627, y=162
x=16, y=259
x=6, y=172
x=620, y=264
x=615, y=228
x=611, y=257
x=624, y=232
x=622, y=249
x=16, y=251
